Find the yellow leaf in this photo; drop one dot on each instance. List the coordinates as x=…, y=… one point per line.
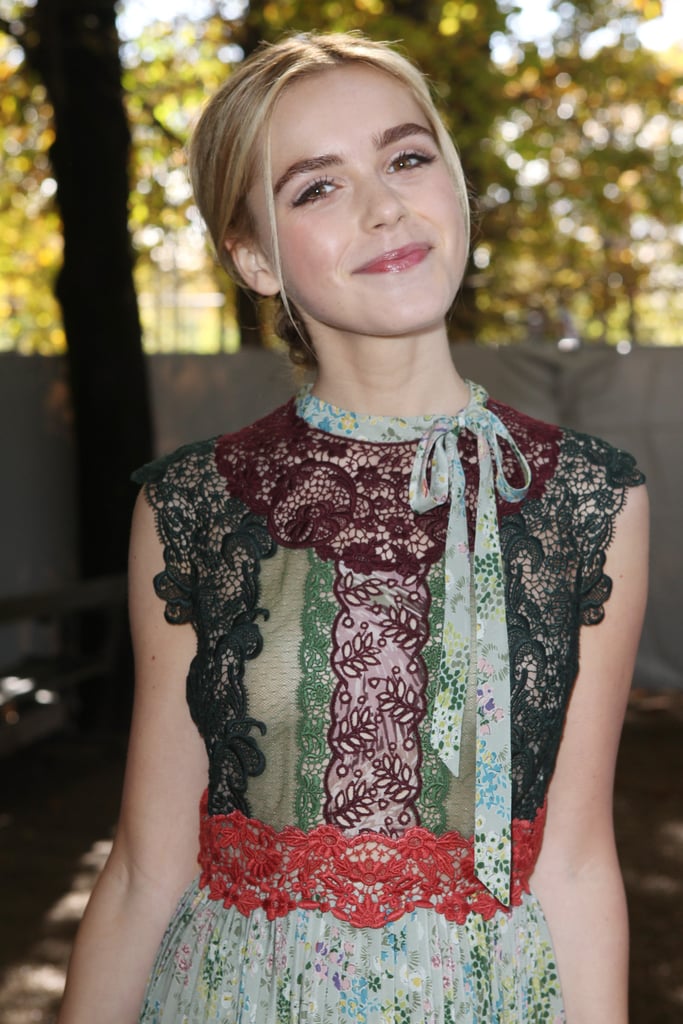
x=648, y=8
x=449, y=26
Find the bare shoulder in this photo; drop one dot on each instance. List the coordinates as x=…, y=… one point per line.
x=145, y=561
x=166, y=770
x=580, y=793
x=630, y=547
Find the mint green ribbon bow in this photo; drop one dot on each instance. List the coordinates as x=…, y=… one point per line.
x=475, y=644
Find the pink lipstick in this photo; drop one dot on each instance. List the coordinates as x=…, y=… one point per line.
x=396, y=260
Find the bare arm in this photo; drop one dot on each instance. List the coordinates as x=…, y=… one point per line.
x=577, y=877
x=154, y=856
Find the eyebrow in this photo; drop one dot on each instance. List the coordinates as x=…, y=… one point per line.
x=318, y=163
x=400, y=131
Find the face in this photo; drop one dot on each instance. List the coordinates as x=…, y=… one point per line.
x=371, y=237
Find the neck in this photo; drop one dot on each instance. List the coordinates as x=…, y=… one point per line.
x=390, y=376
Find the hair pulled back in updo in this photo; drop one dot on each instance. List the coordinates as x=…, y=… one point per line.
x=230, y=145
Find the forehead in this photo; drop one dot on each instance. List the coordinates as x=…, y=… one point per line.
x=330, y=109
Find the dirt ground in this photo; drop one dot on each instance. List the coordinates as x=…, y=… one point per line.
x=58, y=810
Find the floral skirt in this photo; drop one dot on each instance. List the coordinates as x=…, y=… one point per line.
x=216, y=965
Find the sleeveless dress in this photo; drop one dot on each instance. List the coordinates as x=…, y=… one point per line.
x=387, y=615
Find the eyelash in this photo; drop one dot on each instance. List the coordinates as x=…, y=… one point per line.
x=308, y=195
x=411, y=154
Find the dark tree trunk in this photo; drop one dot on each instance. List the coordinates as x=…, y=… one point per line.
x=78, y=58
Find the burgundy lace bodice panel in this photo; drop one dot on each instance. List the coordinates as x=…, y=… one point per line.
x=348, y=499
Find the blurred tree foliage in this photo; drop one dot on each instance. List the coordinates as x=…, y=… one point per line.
x=573, y=146
x=30, y=239
x=588, y=217
x=71, y=51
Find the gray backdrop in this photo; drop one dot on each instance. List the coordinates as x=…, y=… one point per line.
x=632, y=401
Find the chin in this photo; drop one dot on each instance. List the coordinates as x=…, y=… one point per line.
x=416, y=325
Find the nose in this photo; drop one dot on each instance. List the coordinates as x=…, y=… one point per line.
x=383, y=206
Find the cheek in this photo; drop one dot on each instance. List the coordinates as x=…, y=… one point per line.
x=459, y=240
x=445, y=195
x=307, y=257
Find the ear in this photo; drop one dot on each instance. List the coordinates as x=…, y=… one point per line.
x=254, y=266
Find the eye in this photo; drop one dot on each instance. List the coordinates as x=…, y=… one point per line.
x=314, y=192
x=409, y=159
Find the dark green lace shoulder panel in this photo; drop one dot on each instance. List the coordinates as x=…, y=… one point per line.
x=222, y=507
x=554, y=550
x=610, y=474
x=213, y=547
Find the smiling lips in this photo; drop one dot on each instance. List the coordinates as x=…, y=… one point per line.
x=397, y=260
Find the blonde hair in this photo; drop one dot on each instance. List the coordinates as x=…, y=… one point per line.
x=230, y=145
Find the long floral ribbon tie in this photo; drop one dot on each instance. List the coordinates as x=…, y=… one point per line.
x=475, y=641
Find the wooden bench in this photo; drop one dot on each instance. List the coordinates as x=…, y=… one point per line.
x=82, y=626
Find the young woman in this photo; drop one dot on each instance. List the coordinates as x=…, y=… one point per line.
x=388, y=672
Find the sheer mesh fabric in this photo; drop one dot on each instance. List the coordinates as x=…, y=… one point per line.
x=213, y=548
x=221, y=508
x=373, y=780
x=554, y=553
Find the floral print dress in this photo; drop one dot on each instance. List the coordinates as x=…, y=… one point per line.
x=387, y=615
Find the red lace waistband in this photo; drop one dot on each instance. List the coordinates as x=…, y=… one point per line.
x=366, y=879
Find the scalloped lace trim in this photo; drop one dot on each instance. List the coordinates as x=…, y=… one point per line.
x=367, y=879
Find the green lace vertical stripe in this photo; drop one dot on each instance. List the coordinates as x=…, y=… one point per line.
x=436, y=778
x=315, y=689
